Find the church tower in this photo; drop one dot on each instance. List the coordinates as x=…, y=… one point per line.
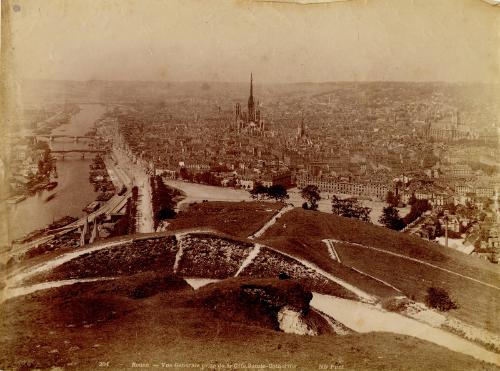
x=251, y=104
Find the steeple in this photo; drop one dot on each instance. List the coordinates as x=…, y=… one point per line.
x=251, y=104
x=251, y=85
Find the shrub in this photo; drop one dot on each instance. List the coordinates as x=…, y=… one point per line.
x=438, y=298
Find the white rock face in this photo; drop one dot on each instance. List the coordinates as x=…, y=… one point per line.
x=291, y=323
x=196, y=283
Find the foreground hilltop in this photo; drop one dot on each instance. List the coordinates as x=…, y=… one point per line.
x=400, y=262
x=250, y=283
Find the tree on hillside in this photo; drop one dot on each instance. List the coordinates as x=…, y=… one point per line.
x=417, y=209
x=259, y=191
x=231, y=182
x=412, y=199
x=310, y=193
x=391, y=219
x=350, y=208
x=438, y=230
x=278, y=192
x=399, y=184
x=392, y=199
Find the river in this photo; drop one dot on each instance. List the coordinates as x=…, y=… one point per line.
x=72, y=193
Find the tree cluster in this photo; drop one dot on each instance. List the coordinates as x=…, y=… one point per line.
x=311, y=194
x=417, y=209
x=45, y=165
x=391, y=219
x=393, y=199
x=350, y=208
x=276, y=192
x=162, y=200
x=206, y=177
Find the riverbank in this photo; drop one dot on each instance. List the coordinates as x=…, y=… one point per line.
x=73, y=190
x=59, y=119
x=99, y=177
x=65, y=220
x=36, y=173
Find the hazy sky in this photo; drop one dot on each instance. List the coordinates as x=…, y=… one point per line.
x=430, y=40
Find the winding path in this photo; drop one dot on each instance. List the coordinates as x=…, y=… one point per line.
x=362, y=317
x=271, y=222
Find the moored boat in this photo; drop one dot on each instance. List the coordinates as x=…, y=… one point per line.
x=16, y=199
x=91, y=207
x=51, y=186
x=50, y=197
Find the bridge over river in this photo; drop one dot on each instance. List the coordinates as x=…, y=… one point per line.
x=61, y=153
x=53, y=137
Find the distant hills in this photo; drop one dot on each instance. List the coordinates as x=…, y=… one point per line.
x=36, y=91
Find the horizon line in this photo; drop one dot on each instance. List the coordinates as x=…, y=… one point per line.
x=268, y=83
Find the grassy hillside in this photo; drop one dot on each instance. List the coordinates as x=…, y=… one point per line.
x=149, y=314
x=300, y=223
x=301, y=232
x=238, y=219
x=312, y=249
x=477, y=304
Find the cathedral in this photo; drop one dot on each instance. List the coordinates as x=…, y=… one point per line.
x=250, y=121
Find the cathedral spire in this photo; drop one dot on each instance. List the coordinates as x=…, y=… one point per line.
x=251, y=103
x=251, y=84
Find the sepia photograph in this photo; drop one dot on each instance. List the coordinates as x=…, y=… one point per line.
x=250, y=185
